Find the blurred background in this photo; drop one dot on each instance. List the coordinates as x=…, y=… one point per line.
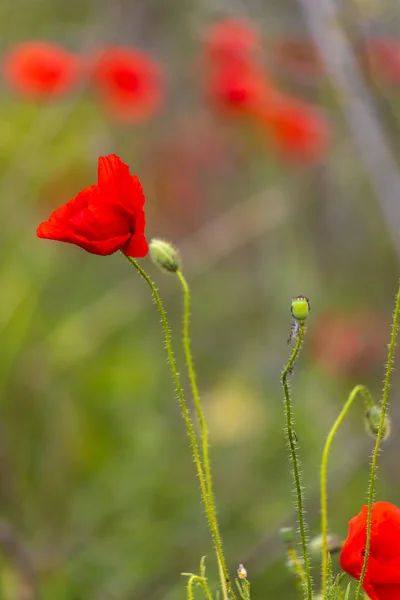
x=233, y=119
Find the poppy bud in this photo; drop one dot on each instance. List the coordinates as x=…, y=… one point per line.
x=334, y=544
x=286, y=534
x=300, y=308
x=164, y=255
x=372, y=421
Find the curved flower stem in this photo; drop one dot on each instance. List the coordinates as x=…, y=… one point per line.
x=202, y=581
x=359, y=389
x=184, y=408
x=374, y=460
x=203, y=426
x=291, y=437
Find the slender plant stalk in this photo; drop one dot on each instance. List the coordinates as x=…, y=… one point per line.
x=291, y=437
x=292, y=554
x=203, y=426
x=374, y=461
x=185, y=413
x=359, y=389
x=224, y=582
x=201, y=581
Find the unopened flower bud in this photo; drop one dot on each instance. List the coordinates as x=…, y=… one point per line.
x=241, y=571
x=164, y=255
x=300, y=308
x=372, y=422
x=286, y=534
x=334, y=544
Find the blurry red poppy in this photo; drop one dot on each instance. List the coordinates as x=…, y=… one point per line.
x=298, y=130
x=297, y=57
x=41, y=70
x=129, y=82
x=231, y=39
x=382, y=578
x=347, y=343
x=238, y=88
x=383, y=54
x=104, y=217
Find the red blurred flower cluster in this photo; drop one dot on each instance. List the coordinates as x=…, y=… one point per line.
x=131, y=85
x=236, y=83
x=128, y=82
x=382, y=577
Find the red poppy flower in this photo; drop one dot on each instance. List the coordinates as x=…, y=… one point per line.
x=382, y=578
x=129, y=82
x=297, y=129
x=238, y=88
x=231, y=39
x=105, y=217
x=41, y=70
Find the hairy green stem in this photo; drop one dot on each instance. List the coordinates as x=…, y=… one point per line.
x=203, y=426
x=359, y=389
x=374, y=460
x=291, y=437
x=201, y=581
x=183, y=405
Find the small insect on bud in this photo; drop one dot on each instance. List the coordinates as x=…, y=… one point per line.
x=164, y=255
x=334, y=544
x=241, y=571
x=372, y=422
x=300, y=308
x=286, y=534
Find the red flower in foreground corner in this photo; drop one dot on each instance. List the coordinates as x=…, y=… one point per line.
x=40, y=69
x=382, y=578
x=105, y=217
x=129, y=82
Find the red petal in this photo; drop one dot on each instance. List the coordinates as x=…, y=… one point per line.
x=116, y=181
x=383, y=592
x=111, y=168
x=137, y=246
x=90, y=222
x=99, y=247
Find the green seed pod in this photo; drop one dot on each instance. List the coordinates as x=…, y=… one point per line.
x=300, y=308
x=164, y=255
x=286, y=534
x=372, y=421
x=334, y=544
